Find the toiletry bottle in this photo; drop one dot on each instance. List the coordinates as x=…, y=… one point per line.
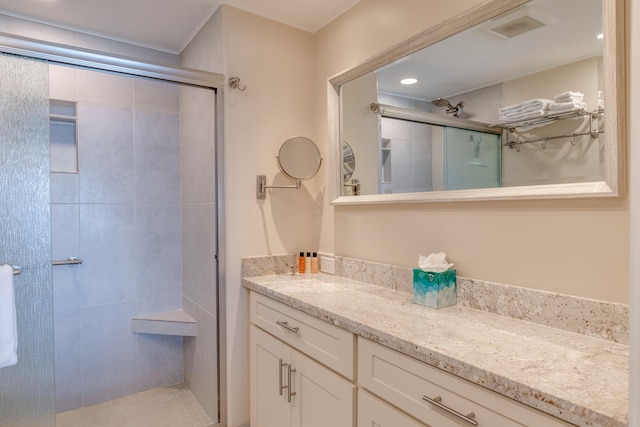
x=301, y=263
x=307, y=266
x=314, y=263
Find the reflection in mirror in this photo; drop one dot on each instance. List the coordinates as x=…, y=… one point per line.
x=517, y=100
x=348, y=161
x=299, y=158
x=351, y=185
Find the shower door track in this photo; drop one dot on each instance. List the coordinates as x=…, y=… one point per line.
x=95, y=60
x=122, y=65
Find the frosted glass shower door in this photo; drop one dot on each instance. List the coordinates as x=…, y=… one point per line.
x=472, y=159
x=27, y=389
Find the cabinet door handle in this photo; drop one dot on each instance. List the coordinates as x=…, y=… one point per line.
x=436, y=401
x=280, y=385
x=289, y=392
x=285, y=325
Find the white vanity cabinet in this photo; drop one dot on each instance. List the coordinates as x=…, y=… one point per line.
x=289, y=388
x=303, y=374
x=437, y=398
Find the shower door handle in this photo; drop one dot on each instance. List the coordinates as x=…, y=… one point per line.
x=69, y=261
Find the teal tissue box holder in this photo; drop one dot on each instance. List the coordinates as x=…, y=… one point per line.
x=435, y=290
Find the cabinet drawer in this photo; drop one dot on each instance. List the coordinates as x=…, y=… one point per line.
x=373, y=412
x=404, y=381
x=328, y=344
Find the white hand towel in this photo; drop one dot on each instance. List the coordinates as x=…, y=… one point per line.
x=567, y=106
x=8, y=326
x=536, y=104
x=524, y=116
x=568, y=95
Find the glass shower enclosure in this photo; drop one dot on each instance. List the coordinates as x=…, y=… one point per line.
x=27, y=388
x=176, y=182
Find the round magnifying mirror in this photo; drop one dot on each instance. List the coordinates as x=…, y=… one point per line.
x=299, y=158
x=348, y=161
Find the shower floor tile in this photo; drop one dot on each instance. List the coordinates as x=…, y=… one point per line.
x=173, y=406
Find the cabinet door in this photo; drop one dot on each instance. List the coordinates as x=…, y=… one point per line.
x=269, y=407
x=373, y=412
x=322, y=398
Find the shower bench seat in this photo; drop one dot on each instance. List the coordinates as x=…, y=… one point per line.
x=175, y=322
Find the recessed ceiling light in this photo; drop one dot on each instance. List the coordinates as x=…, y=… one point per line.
x=600, y=36
x=410, y=81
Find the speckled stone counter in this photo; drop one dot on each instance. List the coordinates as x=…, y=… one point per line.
x=579, y=379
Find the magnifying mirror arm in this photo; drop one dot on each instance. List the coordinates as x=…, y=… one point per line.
x=261, y=186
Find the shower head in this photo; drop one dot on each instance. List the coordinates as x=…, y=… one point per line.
x=441, y=102
x=454, y=110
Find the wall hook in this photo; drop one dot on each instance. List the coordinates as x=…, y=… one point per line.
x=376, y=108
x=234, y=83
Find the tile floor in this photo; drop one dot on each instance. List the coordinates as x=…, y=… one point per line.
x=173, y=406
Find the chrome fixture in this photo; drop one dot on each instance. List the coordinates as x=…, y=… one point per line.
x=234, y=83
x=69, y=261
x=455, y=111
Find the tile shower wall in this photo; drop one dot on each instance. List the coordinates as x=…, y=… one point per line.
x=198, y=181
x=122, y=215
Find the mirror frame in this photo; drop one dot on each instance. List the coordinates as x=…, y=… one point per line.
x=614, y=183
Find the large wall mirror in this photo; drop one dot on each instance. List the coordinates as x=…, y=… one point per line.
x=513, y=99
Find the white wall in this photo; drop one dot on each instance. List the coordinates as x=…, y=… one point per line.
x=274, y=62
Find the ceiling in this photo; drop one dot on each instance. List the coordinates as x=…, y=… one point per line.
x=166, y=24
x=478, y=58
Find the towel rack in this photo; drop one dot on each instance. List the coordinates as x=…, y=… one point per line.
x=593, y=131
x=69, y=261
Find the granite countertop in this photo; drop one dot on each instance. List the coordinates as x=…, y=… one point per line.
x=579, y=379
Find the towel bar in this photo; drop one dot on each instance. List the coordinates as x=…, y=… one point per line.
x=69, y=261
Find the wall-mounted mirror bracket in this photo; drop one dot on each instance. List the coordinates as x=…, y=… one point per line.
x=261, y=186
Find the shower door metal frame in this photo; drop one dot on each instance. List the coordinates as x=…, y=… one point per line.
x=99, y=61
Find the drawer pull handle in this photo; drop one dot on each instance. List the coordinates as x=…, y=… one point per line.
x=285, y=325
x=436, y=401
x=280, y=386
x=289, y=392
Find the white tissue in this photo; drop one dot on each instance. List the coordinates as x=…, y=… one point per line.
x=434, y=262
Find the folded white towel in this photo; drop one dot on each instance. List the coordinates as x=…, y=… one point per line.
x=525, y=116
x=574, y=105
x=536, y=104
x=8, y=326
x=574, y=99
x=568, y=95
x=514, y=113
x=553, y=113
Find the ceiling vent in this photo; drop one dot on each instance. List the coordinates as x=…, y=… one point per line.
x=517, y=27
x=519, y=22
